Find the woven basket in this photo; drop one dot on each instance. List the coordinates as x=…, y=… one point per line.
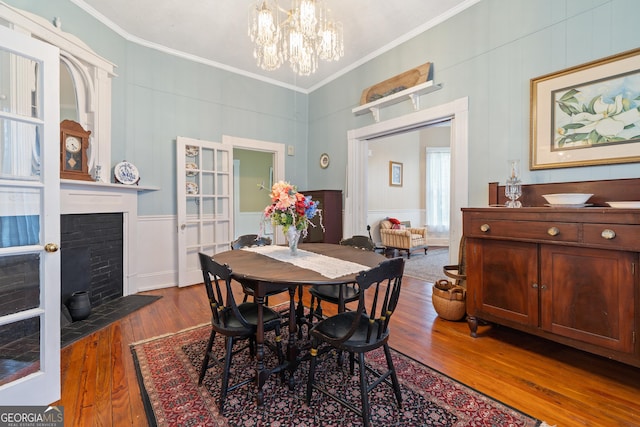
x=449, y=300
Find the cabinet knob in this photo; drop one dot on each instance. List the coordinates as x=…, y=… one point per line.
x=608, y=234
x=534, y=286
x=553, y=231
x=485, y=227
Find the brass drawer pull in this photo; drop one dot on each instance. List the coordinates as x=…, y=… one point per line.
x=553, y=231
x=485, y=228
x=608, y=234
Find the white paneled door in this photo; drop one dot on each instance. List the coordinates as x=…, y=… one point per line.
x=205, y=203
x=29, y=221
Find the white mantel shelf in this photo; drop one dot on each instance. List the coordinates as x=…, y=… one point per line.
x=106, y=185
x=413, y=94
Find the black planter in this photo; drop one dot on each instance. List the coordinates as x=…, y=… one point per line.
x=79, y=305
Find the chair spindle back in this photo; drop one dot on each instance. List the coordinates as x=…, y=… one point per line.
x=386, y=280
x=215, y=277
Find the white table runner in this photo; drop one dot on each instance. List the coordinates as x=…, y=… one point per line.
x=325, y=265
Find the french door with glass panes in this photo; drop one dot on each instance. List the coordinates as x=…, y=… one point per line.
x=29, y=221
x=205, y=203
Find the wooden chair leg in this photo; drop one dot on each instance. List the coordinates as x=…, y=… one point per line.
x=225, y=373
x=300, y=317
x=205, y=361
x=394, y=377
x=279, y=351
x=363, y=391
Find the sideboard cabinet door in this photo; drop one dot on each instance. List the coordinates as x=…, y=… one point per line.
x=505, y=274
x=587, y=295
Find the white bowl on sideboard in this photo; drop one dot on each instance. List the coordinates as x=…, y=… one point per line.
x=624, y=205
x=569, y=199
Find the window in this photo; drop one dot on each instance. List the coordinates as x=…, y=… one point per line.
x=438, y=184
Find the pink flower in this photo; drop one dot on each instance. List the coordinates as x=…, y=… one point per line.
x=289, y=207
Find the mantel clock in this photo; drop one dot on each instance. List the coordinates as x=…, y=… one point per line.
x=74, y=143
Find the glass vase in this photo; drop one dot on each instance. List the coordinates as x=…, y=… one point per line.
x=513, y=187
x=513, y=191
x=293, y=237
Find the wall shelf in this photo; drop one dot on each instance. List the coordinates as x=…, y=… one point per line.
x=413, y=94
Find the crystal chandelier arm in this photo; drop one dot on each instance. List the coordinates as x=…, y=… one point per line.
x=306, y=35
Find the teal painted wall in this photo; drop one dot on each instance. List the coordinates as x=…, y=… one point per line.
x=488, y=53
x=157, y=97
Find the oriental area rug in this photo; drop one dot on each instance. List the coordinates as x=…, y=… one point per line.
x=168, y=368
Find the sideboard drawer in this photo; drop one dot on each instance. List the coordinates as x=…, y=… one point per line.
x=618, y=236
x=533, y=230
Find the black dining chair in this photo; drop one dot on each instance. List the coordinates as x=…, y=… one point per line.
x=232, y=321
x=249, y=241
x=338, y=295
x=359, y=332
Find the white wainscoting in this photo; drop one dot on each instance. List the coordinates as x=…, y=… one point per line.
x=158, y=260
x=157, y=245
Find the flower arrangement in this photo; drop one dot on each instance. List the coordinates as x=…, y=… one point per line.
x=289, y=208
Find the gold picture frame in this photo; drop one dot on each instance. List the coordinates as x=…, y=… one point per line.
x=587, y=115
x=395, y=174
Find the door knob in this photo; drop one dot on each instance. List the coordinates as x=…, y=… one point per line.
x=51, y=247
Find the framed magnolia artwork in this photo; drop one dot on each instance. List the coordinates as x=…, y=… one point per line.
x=587, y=115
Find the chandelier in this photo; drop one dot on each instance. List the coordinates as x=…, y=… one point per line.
x=306, y=35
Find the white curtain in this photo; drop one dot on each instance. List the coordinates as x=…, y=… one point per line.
x=438, y=184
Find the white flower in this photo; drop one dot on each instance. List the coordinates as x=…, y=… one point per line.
x=608, y=119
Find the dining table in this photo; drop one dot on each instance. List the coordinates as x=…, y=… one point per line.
x=270, y=268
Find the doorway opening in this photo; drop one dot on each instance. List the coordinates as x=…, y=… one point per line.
x=262, y=151
x=356, y=198
x=416, y=200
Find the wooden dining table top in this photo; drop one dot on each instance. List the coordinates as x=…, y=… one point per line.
x=252, y=266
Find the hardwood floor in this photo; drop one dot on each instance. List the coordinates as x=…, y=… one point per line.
x=554, y=383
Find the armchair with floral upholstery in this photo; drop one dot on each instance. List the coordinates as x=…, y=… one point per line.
x=396, y=235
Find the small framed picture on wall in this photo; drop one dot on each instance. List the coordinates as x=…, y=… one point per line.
x=395, y=174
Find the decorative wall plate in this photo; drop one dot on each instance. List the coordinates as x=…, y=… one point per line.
x=191, y=150
x=126, y=173
x=191, y=169
x=192, y=188
x=324, y=160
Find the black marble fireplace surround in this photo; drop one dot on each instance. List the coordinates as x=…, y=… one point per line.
x=92, y=260
x=91, y=256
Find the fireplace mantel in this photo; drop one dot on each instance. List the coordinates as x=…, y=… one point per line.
x=85, y=197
